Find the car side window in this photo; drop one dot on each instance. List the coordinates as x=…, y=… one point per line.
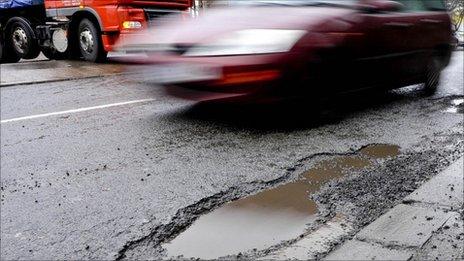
x=435, y=5
x=411, y=6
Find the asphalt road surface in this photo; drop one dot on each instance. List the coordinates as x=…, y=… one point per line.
x=111, y=168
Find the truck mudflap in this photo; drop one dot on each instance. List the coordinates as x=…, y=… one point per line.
x=108, y=41
x=111, y=42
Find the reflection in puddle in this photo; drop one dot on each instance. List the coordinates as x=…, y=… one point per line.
x=457, y=106
x=269, y=217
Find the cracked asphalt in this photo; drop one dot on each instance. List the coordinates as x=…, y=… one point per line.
x=116, y=182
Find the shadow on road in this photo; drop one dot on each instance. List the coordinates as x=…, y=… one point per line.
x=292, y=114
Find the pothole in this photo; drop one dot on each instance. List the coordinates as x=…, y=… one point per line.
x=457, y=106
x=271, y=216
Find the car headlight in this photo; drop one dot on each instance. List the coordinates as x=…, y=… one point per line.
x=251, y=41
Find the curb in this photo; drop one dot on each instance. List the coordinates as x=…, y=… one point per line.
x=409, y=230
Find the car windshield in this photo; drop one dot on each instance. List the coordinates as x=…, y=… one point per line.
x=294, y=2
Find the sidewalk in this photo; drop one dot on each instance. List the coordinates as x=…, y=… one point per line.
x=426, y=226
x=41, y=70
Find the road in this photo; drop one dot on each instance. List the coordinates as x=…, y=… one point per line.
x=111, y=168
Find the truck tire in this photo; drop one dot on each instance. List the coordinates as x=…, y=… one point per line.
x=21, y=39
x=90, y=43
x=7, y=55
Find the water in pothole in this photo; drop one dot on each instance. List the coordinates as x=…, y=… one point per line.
x=270, y=216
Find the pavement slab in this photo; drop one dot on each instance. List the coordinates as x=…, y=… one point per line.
x=445, y=244
x=445, y=189
x=316, y=242
x=408, y=225
x=404, y=225
x=424, y=229
x=358, y=250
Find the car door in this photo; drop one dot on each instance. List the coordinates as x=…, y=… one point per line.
x=413, y=61
x=391, y=44
x=434, y=32
x=430, y=32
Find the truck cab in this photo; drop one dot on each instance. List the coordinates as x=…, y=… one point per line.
x=85, y=29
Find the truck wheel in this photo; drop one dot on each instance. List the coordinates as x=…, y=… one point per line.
x=21, y=39
x=90, y=43
x=7, y=55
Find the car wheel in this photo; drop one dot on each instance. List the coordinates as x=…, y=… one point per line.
x=432, y=75
x=90, y=44
x=21, y=39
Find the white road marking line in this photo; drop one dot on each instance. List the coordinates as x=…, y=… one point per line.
x=75, y=110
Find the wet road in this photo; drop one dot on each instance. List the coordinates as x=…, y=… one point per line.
x=106, y=167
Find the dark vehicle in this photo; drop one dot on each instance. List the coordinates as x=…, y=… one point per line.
x=304, y=47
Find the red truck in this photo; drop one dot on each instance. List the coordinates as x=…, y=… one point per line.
x=85, y=29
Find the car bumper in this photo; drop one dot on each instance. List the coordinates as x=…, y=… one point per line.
x=218, y=76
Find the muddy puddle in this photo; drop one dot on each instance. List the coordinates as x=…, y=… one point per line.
x=457, y=106
x=270, y=216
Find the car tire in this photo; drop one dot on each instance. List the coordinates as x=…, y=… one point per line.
x=20, y=39
x=89, y=41
x=432, y=75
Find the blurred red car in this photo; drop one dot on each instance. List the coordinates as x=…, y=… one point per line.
x=298, y=47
